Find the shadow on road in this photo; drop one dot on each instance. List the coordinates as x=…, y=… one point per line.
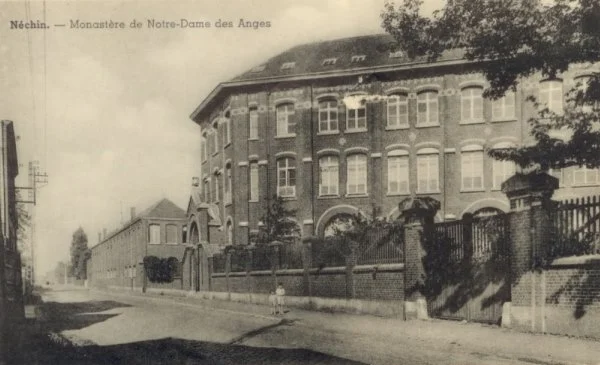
x=72, y=316
x=175, y=351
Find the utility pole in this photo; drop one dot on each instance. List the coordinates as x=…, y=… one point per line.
x=37, y=180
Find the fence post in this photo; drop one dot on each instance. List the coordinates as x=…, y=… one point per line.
x=275, y=263
x=418, y=216
x=306, y=264
x=530, y=226
x=467, y=237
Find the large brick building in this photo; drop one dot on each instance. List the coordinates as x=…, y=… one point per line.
x=117, y=259
x=338, y=126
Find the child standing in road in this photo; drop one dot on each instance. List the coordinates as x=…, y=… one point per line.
x=273, y=302
x=280, y=293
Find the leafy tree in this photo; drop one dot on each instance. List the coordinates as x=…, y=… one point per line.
x=161, y=270
x=79, y=254
x=278, y=224
x=511, y=40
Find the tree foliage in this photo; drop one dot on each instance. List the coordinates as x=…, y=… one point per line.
x=79, y=254
x=511, y=40
x=279, y=224
x=161, y=270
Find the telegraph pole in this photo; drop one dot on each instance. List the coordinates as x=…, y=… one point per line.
x=37, y=180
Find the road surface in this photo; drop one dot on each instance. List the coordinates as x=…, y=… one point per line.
x=100, y=328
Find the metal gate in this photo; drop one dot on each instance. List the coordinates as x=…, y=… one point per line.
x=467, y=266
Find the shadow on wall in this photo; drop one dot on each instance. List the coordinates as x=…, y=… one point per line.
x=582, y=286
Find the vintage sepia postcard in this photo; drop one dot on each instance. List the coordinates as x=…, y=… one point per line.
x=299, y=182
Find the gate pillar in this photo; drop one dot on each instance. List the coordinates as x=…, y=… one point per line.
x=530, y=229
x=418, y=216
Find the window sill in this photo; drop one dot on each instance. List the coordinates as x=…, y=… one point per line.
x=171, y=243
x=478, y=190
x=397, y=128
x=252, y=201
x=327, y=133
x=286, y=198
x=286, y=136
x=398, y=194
x=356, y=195
x=205, y=161
x=228, y=204
x=582, y=185
x=253, y=139
x=215, y=153
x=428, y=192
x=227, y=145
x=154, y=243
x=502, y=120
x=325, y=197
x=427, y=125
x=472, y=121
x=359, y=130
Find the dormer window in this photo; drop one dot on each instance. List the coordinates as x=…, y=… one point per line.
x=288, y=65
x=358, y=58
x=258, y=69
x=396, y=54
x=329, y=61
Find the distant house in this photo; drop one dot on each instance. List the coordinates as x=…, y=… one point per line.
x=117, y=259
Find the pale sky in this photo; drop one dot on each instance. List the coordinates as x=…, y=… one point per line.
x=109, y=122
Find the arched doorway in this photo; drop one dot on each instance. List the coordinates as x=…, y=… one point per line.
x=338, y=223
x=194, y=270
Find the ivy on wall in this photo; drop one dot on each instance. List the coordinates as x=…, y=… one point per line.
x=161, y=270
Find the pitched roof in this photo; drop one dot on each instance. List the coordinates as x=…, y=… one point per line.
x=163, y=209
x=309, y=58
x=308, y=63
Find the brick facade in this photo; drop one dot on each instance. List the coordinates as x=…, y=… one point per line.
x=230, y=111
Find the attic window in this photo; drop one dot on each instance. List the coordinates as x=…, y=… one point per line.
x=396, y=54
x=358, y=58
x=258, y=69
x=288, y=65
x=329, y=61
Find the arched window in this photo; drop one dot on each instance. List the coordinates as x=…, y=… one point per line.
x=428, y=171
x=226, y=130
x=215, y=137
x=472, y=167
x=286, y=177
x=229, y=232
x=427, y=108
x=217, y=187
x=329, y=175
x=328, y=116
x=253, y=123
x=472, y=104
x=286, y=126
x=254, y=182
x=502, y=170
x=356, y=183
x=228, y=184
x=551, y=95
x=338, y=223
x=504, y=108
x=397, y=172
x=397, y=111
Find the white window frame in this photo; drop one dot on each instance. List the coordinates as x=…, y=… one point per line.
x=431, y=116
x=253, y=123
x=502, y=170
x=226, y=131
x=551, y=96
x=356, y=174
x=203, y=148
x=505, y=108
x=430, y=172
x=286, y=177
x=329, y=108
x=285, y=123
x=471, y=104
x=254, y=179
x=206, y=190
x=215, y=137
x=397, y=120
x=217, y=188
x=590, y=176
x=471, y=168
x=398, y=172
x=359, y=124
x=329, y=175
x=153, y=234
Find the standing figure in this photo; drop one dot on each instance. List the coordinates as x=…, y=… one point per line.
x=280, y=293
x=273, y=302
